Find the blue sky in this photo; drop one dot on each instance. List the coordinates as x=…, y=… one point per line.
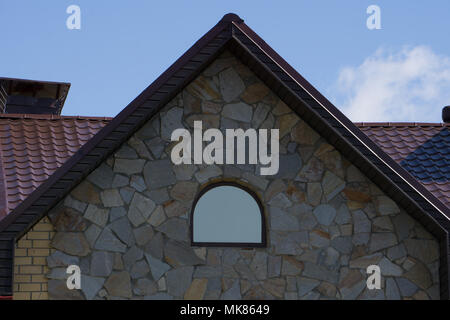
x=398, y=73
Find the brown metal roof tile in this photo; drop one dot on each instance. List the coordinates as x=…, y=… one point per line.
x=421, y=148
x=32, y=147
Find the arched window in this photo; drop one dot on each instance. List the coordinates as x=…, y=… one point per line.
x=227, y=214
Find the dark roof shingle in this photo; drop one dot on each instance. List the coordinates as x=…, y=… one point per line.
x=423, y=149
x=32, y=147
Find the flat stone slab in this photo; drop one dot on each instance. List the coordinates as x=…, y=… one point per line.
x=72, y=243
x=119, y=285
x=179, y=280
x=238, y=111
x=159, y=173
x=157, y=267
x=325, y=214
x=109, y=242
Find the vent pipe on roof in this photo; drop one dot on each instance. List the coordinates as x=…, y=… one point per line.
x=446, y=114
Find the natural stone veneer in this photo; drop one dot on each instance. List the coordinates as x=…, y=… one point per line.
x=127, y=224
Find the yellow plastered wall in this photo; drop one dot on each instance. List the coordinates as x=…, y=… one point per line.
x=30, y=262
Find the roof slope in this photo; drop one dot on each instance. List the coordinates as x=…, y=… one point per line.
x=233, y=34
x=32, y=147
x=423, y=149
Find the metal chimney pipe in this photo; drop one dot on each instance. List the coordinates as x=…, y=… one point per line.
x=446, y=114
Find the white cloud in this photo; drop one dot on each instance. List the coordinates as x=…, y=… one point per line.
x=412, y=84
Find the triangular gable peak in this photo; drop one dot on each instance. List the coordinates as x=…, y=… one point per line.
x=232, y=35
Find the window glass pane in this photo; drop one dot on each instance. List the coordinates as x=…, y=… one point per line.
x=227, y=214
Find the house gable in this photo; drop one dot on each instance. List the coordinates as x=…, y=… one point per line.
x=129, y=220
x=304, y=105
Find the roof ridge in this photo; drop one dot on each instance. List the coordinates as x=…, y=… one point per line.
x=232, y=17
x=50, y=117
x=401, y=124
